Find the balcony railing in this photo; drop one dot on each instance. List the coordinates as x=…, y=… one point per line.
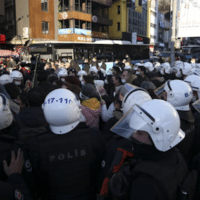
x=74, y=8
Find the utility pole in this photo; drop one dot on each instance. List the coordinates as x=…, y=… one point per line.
x=173, y=24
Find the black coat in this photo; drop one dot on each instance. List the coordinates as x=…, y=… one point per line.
x=66, y=166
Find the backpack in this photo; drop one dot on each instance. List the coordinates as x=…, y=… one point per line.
x=167, y=187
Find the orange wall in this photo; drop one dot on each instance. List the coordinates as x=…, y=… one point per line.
x=75, y=38
x=36, y=16
x=76, y=15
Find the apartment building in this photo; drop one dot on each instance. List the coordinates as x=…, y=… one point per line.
x=58, y=20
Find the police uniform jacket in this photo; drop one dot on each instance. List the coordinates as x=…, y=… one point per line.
x=143, y=186
x=66, y=166
x=188, y=126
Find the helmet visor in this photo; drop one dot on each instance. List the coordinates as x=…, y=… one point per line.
x=126, y=89
x=133, y=123
x=161, y=93
x=196, y=105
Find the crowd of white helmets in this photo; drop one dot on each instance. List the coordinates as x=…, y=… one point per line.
x=190, y=70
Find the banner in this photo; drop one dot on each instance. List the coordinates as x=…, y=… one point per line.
x=189, y=18
x=78, y=31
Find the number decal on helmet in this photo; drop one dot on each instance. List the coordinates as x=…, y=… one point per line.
x=61, y=100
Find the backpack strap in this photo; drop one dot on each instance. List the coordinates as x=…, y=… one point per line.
x=118, y=160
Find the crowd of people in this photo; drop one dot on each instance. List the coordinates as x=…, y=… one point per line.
x=71, y=132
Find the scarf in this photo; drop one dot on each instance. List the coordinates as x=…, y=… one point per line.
x=92, y=103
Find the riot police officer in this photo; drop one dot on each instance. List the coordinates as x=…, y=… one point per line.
x=67, y=158
x=148, y=169
x=179, y=94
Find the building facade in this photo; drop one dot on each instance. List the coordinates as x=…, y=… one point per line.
x=153, y=6
x=59, y=20
x=130, y=18
x=8, y=18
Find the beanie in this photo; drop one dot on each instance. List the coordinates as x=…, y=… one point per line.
x=89, y=90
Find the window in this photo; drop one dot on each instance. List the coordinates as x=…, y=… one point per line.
x=77, y=5
x=153, y=36
x=45, y=27
x=118, y=26
x=140, y=2
x=89, y=25
x=44, y=5
x=63, y=5
x=118, y=10
x=64, y=24
x=153, y=25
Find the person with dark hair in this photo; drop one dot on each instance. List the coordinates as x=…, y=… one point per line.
x=86, y=66
x=141, y=73
x=117, y=83
x=12, y=90
x=74, y=66
x=72, y=72
x=59, y=83
x=30, y=121
x=35, y=97
x=128, y=76
x=22, y=100
x=154, y=78
x=116, y=70
x=51, y=78
x=89, y=79
x=42, y=79
x=75, y=89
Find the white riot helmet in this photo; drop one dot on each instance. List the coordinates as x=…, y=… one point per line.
x=178, y=64
x=197, y=72
x=186, y=68
x=156, y=117
x=5, y=113
x=16, y=77
x=149, y=66
x=191, y=78
x=131, y=95
x=136, y=65
x=61, y=111
x=4, y=79
x=162, y=70
x=197, y=65
x=196, y=87
x=62, y=74
x=167, y=68
x=82, y=73
x=177, y=72
x=179, y=94
x=156, y=65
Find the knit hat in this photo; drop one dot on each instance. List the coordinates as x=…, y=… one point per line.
x=89, y=90
x=72, y=80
